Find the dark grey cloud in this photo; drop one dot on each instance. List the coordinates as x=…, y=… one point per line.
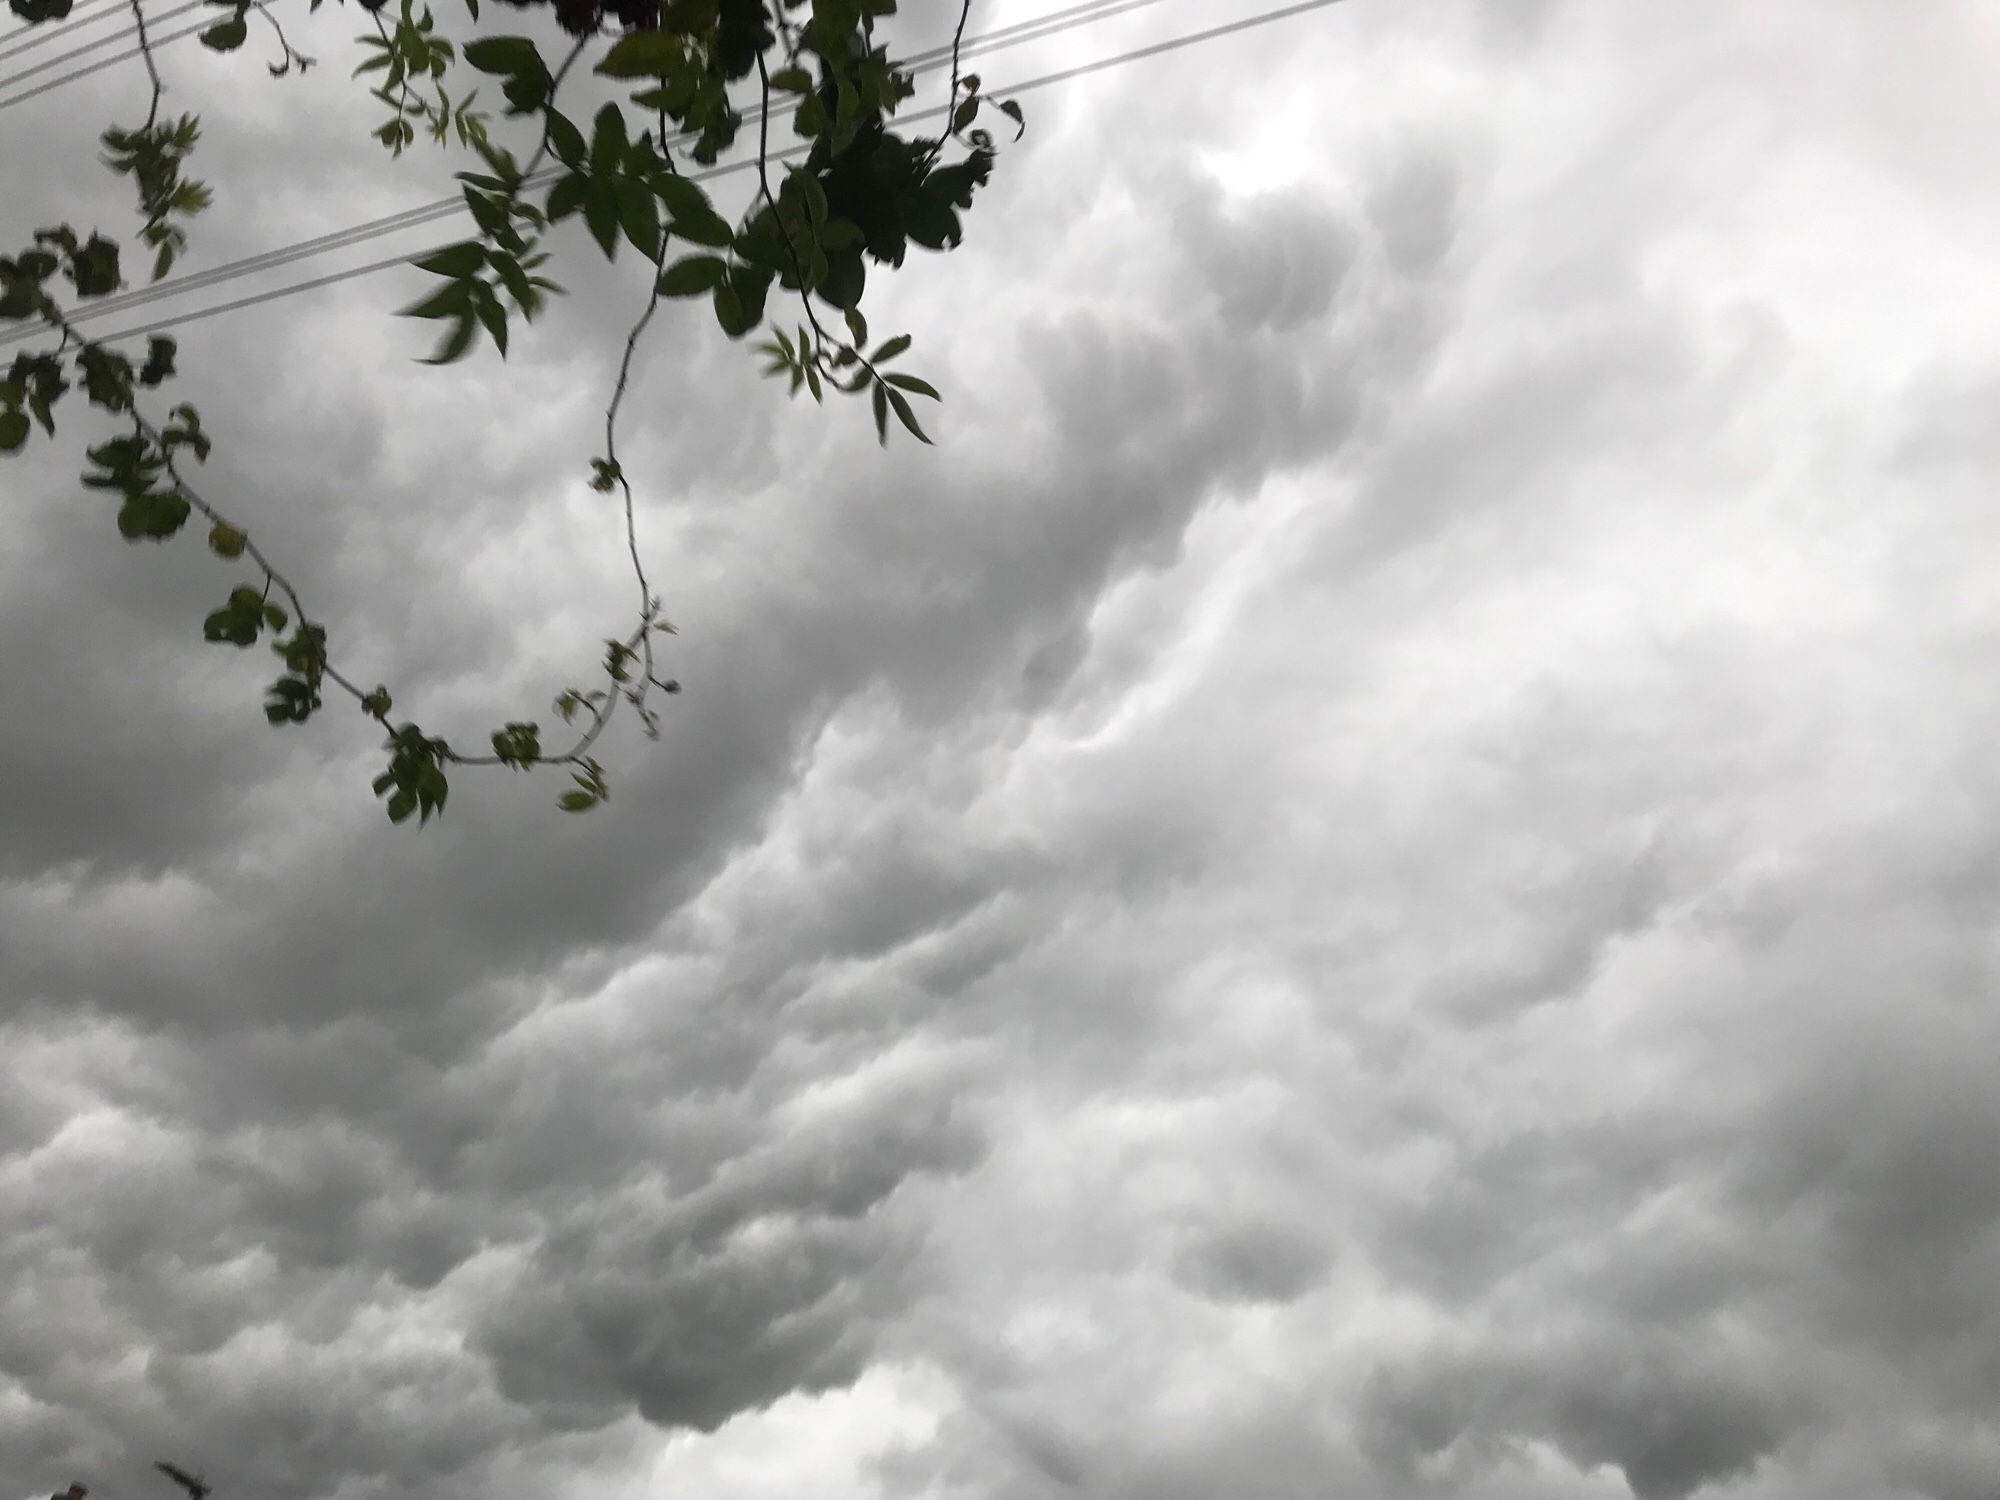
x=1372, y=880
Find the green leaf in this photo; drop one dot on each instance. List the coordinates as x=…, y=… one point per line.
x=566, y=197
x=600, y=212
x=793, y=80
x=526, y=92
x=890, y=349
x=94, y=268
x=13, y=431
x=159, y=361
x=644, y=54
x=152, y=515
x=903, y=413
x=225, y=540
x=930, y=219
x=107, y=377
x=19, y=299
x=607, y=141
x=712, y=230
x=912, y=383
x=226, y=36
x=693, y=276
x=519, y=286
x=455, y=344
x=752, y=285
x=565, y=139
x=879, y=396
x=845, y=281
x=639, y=216
x=694, y=218
x=577, y=802
x=448, y=301
x=1012, y=111
x=682, y=195
x=239, y=621
x=494, y=316
x=225, y=626
x=456, y=261
x=489, y=213
x=505, y=55
x=729, y=310
x=839, y=234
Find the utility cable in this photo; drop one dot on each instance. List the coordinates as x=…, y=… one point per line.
x=1046, y=80
x=35, y=34
x=1034, y=29
x=104, y=41
x=102, y=63
x=105, y=62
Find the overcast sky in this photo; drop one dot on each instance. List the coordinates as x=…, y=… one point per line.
x=1376, y=880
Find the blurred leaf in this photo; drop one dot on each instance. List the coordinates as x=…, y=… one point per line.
x=643, y=54
x=908, y=418
x=456, y=261
x=693, y=275
x=504, y=55
x=912, y=383
x=226, y=36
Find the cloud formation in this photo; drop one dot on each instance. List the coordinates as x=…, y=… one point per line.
x=1373, y=880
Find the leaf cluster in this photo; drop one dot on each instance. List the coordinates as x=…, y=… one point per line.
x=152, y=156
x=839, y=190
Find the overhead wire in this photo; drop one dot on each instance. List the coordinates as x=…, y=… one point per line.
x=83, y=10
x=1034, y=29
x=102, y=63
x=33, y=34
x=186, y=31
x=1046, y=80
x=104, y=41
x=76, y=13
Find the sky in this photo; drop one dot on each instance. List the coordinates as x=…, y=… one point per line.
x=1376, y=879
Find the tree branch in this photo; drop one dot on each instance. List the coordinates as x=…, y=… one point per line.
x=152, y=68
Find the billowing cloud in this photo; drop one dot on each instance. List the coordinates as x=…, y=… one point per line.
x=1372, y=880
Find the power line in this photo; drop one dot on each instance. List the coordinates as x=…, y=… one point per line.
x=1046, y=80
x=1034, y=29
x=102, y=63
x=173, y=36
x=78, y=13
x=104, y=41
x=41, y=33
x=80, y=9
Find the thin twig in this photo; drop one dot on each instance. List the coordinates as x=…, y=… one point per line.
x=152, y=68
x=148, y=433
x=291, y=54
x=951, y=99
x=647, y=603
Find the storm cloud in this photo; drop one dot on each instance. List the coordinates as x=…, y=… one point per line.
x=1375, y=879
